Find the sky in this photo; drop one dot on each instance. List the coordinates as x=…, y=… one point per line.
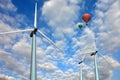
x=58, y=20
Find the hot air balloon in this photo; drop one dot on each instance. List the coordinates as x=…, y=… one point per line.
x=86, y=17
x=80, y=25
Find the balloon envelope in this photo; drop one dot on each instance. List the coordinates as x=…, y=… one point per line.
x=86, y=17
x=80, y=25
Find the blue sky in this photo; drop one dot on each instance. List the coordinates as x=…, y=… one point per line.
x=58, y=20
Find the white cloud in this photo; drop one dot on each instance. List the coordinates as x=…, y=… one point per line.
x=90, y=76
x=3, y=38
x=109, y=62
x=19, y=47
x=86, y=42
x=4, y=26
x=10, y=22
x=12, y=65
x=68, y=75
x=5, y=77
x=7, y=5
x=60, y=15
x=66, y=12
x=105, y=73
x=106, y=67
x=107, y=21
x=47, y=67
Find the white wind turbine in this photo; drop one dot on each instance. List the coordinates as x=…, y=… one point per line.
x=33, y=73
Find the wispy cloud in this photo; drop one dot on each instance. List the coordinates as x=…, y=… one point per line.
x=12, y=64
x=7, y=5
x=107, y=18
x=5, y=77
x=60, y=15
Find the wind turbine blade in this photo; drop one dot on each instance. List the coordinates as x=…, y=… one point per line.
x=104, y=58
x=84, y=57
x=49, y=40
x=17, y=31
x=86, y=53
x=35, y=16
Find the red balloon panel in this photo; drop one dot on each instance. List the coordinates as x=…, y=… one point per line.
x=86, y=17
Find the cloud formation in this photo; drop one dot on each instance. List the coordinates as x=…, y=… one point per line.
x=4, y=77
x=107, y=21
x=7, y=5
x=61, y=23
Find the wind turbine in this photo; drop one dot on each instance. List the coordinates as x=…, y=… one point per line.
x=33, y=73
x=80, y=70
x=95, y=64
x=81, y=63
